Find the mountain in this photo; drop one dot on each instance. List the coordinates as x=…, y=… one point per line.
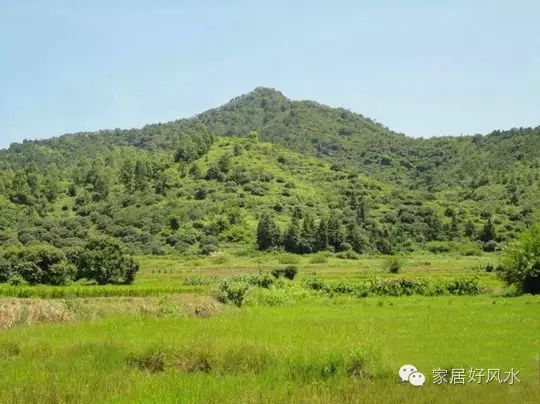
x=344, y=137
x=317, y=177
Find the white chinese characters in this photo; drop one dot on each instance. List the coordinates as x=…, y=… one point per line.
x=478, y=376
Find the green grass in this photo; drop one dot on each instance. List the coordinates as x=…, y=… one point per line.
x=297, y=353
x=56, y=292
x=159, y=340
x=156, y=270
x=166, y=274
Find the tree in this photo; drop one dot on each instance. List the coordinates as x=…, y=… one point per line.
x=186, y=152
x=140, y=175
x=51, y=185
x=195, y=171
x=322, y=235
x=469, y=229
x=521, y=262
x=38, y=264
x=291, y=239
x=307, y=235
x=335, y=232
x=20, y=191
x=201, y=193
x=268, y=234
x=174, y=223
x=253, y=136
x=454, y=227
x=488, y=231
x=358, y=239
x=104, y=260
x=127, y=174
x=224, y=163
x=360, y=210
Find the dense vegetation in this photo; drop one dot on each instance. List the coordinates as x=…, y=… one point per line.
x=521, y=263
x=317, y=235
x=100, y=260
x=281, y=174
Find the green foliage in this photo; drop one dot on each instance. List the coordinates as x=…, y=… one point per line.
x=347, y=255
x=393, y=264
x=288, y=272
x=36, y=264
x=521, y=262
x=488, y=232
x=103, y=260
x=332, y=180
x=268, y=234
x=232, y=291
x=463, y=286
x=397, y=287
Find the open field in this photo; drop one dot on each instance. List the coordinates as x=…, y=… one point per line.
x=157, y=270
x=159, y=339
x=166, y=275
x=319, y=350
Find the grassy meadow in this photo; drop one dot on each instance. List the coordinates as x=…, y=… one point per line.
x=162, y=340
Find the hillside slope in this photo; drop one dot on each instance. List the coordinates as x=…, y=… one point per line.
x=346, y=137
x=177, y=187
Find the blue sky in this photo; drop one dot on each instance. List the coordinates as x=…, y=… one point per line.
x=420, y=67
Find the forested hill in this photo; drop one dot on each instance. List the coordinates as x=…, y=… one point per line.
x=346, y=137
x=316, y=177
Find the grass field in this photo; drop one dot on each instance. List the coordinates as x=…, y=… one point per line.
x=161, y=341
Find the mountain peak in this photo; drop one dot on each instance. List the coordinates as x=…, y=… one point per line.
x=268, y=91
x=263, y=93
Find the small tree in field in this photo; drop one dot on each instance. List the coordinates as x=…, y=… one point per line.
x=521, y=262
x=268, y=234
x=103, y=260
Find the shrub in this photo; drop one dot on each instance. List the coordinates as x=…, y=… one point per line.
x=521, y=262
x=261, y=281
x=6, y=270
x=396, y=287
x=29, y=271
x=490, y=246
x=197, y=281
x=463, y=286
x=316, y=284
x=201, y=193
x=16, y=280
x=348, y=255
x=152, y=361
x=490, y=268
x=318, y=259
x=195, y=359
x=232, y=291
x=393, y=264
x=438, y=247
x=61, y=273
x=208, y=248
x=35, y=263
x=104, y=260
x=288, y=272
x=399, y=287
x=469, y=249
x=288, y=259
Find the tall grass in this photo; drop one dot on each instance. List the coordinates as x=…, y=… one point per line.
x=59, y=292
x=342, y=351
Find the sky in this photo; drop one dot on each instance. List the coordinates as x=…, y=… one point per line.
x=421, y=67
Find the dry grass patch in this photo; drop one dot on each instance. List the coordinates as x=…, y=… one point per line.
x=15, y=311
